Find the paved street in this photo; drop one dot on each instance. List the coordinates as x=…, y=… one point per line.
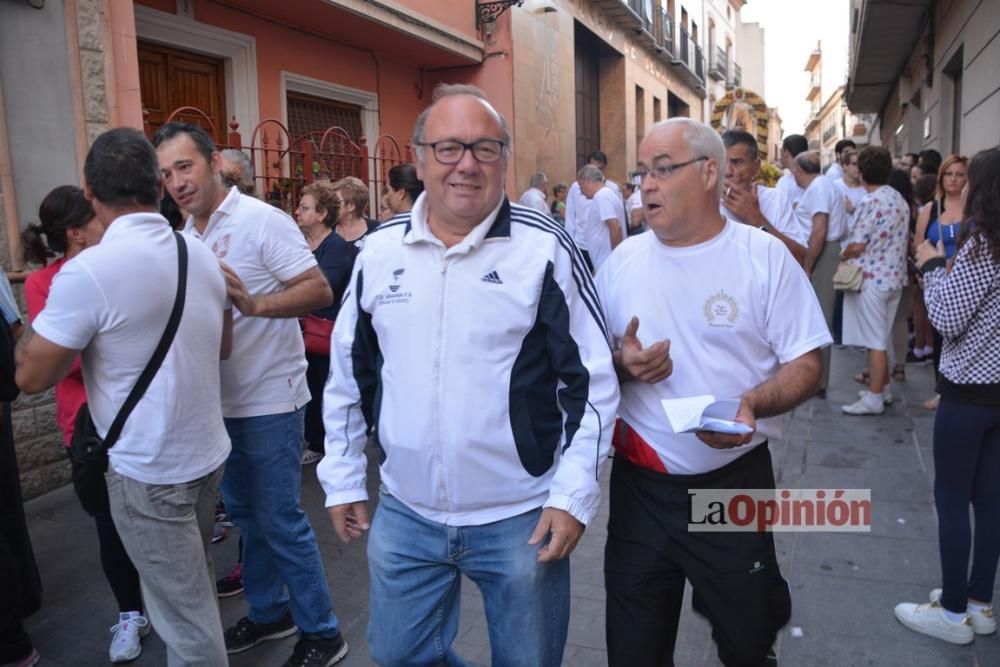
x=843, y=585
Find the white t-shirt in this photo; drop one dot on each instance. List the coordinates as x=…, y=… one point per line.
x=732, y=317
x=788, y=187
x=834, y=172
x=855, y=194
x=577, y=206
x=821, y=197
x=113, y=301
x=605, y=205
x=266, y=373
x=634, y=201
x=773, y=206
x=534, y=198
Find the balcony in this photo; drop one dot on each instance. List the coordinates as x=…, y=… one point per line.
x=626, y=14
x=663, y=32
x=719, y=68
x=646, y=33
x=689, y=63
x=814, y=87
x=736, y=78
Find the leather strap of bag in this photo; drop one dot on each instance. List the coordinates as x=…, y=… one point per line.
x=142, y=384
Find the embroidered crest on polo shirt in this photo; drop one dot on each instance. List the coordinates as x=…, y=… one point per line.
x=394, y=293
x=721, y=310
x=220, y=247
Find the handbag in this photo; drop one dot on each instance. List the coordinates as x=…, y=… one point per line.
x=88, y=452
x=848, y=277
x=316, y=334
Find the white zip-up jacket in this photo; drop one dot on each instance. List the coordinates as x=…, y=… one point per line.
x=485, y=368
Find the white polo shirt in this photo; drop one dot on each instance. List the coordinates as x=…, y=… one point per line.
x=605, y=205
x=821, y=197
x=266, y=373
x=735, y=308
x=788, y=187
x=775, y=207
x=113, y=301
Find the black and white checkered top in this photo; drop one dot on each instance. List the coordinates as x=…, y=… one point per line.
x=964, y=305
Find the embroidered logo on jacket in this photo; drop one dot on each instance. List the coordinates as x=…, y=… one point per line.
x=394, y=295
x=492, y=277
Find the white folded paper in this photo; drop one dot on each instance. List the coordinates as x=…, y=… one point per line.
x=704, y=413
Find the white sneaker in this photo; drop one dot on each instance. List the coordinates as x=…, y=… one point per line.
x=127, y=643
x=863, y=407
x=928, y=619
x=983, y=622
x=887, y=397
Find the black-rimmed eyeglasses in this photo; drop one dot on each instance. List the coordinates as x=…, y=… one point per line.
x=450, y=151
x=663, y=171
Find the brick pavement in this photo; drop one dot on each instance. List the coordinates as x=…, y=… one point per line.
x=843, y=585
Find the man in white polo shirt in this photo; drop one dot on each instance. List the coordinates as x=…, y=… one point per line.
x=534, y=196
x=112, y=302
x=700, y=305
x=822, y=218
x=578, y=204
x=272, y=278
x=744, y=200
x=604, y=227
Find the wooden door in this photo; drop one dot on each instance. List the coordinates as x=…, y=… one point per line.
x=170, y=78
x=588, y=94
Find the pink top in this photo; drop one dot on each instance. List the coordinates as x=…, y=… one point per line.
x=70, y=393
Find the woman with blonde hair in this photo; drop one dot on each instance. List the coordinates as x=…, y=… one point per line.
x=939, y=222
x=352, y=201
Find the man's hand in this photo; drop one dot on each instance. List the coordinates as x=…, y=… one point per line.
x=727, y=441
x=743, y=204
x=350, y=520
x=848, y=205
x=646, y=365
x=926, y=252
x=566, y=532
x=238, y=291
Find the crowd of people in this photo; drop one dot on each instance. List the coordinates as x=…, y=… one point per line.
x=490, y=355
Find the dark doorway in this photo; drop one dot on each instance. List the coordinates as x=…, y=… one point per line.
x=587, y=49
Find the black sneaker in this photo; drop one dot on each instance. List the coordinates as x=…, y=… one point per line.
x=231, y=584
x=314, y=651
x=247, y=634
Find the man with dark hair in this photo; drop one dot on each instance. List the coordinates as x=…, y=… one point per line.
x=491, y=470
x=791, y=146
x=908, y=161
x=929, y=161
x=822, y=218
x=272, y=278
x=111, y=303
x=749, y=202
x=836, y=169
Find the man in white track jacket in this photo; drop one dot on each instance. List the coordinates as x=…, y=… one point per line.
x=472, y=340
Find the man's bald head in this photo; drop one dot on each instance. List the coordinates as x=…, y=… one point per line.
x=808, y=162
x=449, y=90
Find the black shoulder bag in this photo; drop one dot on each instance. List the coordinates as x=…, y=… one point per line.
x=88, y=452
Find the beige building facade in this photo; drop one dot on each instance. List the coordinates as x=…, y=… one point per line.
x=928, y=72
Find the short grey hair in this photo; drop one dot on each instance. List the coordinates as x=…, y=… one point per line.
x=808, y=162
x=703, y=141
x=538, y=179
x=445, y=90
x=589, y=172
x=246, y=171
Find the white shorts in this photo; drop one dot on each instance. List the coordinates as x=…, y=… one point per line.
x=868, y=317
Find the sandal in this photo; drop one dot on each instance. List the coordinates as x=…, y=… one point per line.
x=862, y=377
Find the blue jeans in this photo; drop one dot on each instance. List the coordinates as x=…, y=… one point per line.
x=416, y=567
x=281, y=562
